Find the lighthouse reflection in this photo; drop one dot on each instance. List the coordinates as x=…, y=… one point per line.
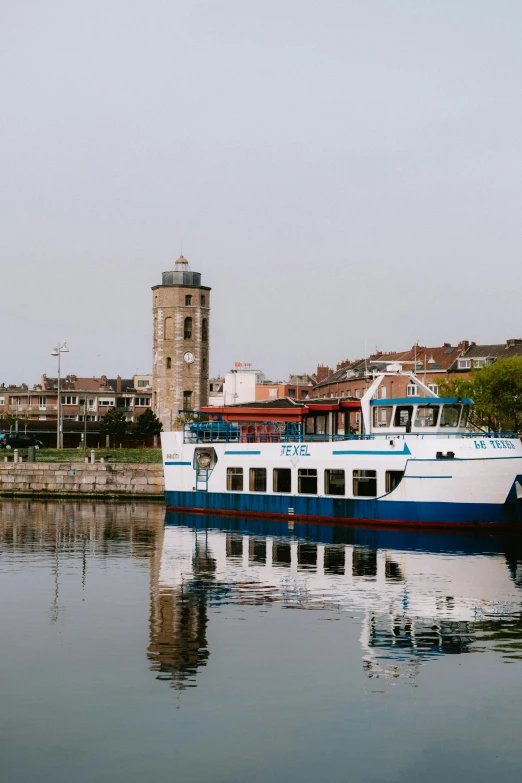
x=415, y=596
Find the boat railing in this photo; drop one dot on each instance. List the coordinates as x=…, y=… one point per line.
x=294, y=432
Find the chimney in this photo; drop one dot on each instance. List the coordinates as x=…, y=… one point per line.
x=118, y=384
x=323, y=372
x=464, y=345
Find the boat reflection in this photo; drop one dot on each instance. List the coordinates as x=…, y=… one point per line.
x=418, y=595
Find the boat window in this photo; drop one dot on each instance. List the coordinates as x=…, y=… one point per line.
x=365, y=483
x=334, y=483
x=382, y=415
x=307, y=481
x=310, y=424
x=393, y=478
x=464, y=416
x=282, y=480
x=257, y=479
x=403, y=415
x=235, y=479
x=427, y=416
x=450, y=416
x=320, y=425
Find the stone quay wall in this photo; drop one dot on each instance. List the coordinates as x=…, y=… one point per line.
x=73, y=478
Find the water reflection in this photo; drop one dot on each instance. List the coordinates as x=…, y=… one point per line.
x=418, y=596
x=414, y=597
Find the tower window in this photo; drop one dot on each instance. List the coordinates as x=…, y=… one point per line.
x=203, y=300
x=188, y=300
x=187, y=328
x=204, y=366
x=187, y=400
x=169, y=363
x=204, y=329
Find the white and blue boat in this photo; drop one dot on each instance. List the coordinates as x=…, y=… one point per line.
x=413, y=463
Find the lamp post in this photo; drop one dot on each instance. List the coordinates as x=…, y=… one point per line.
x=60, y=348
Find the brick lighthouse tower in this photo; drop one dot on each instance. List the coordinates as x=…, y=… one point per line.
x=180, y=312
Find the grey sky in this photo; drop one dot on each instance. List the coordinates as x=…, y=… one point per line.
x=340, y=172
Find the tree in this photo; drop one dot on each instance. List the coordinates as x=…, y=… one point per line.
x=496, y=391
x=9, y=418
x=113, y=423
x=148, y=424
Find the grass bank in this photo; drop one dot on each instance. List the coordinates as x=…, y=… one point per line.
x=140, y=456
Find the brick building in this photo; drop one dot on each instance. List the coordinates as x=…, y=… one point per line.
x=352, y=379
x=81, y=398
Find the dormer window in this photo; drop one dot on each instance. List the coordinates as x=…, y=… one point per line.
x=464, y=364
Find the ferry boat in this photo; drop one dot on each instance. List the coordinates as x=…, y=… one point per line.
x=413, y=463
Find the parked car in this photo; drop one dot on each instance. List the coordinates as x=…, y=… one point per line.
x=19, y=440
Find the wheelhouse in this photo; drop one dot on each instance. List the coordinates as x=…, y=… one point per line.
x=420, y=415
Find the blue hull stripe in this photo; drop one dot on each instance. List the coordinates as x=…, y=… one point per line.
x=369, y=453
x=178, y=463
x=345, y=509
x=242, y=452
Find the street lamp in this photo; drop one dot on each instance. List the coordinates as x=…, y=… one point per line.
x=60, y=348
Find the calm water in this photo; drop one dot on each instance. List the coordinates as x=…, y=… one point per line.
x=139, y=647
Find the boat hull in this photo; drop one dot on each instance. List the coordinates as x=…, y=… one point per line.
x=371, y=511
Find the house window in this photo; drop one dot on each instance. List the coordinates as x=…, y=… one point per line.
x=2, y=400
x=70, y=417
x=188, y=300
x=478, y=363
x=411, y=390
x=235, y=479
x=204, y=329
x=282, y=480
x=203, y=300
x=434, y=388
x=334, y=483
x=106, y=403
x=464, y=364
x=187, y=400
x=427, y=416
x=42, y=402
x=383, y=392
x=393, y=478
x=187, y=328
x=143, y=384
x=90, y=404
x=142, y=402
x=169, y=363
x=291, y=392
x=257, y=479
x=304, y=393
x=69, y=400
x=365, y=483
x=307, y=481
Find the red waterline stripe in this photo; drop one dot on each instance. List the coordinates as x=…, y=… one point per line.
x=352, y=521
